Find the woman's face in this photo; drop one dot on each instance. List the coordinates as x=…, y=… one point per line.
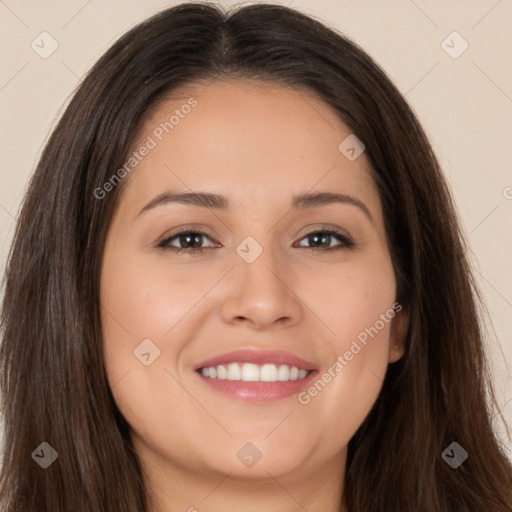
x=272, y=295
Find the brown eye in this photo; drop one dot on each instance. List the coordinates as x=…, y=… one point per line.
x=323, y=239
x=188, y=241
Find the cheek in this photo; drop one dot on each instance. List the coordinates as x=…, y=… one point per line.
x=356, y=307
x=146, y=313
x=147, y=300
x=136, y=311
x=140, y=305
x=142, y=301
x=351, y=299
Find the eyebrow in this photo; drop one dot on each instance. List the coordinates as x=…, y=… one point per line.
x=219, y=202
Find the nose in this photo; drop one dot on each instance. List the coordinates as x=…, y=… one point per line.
x=261, y=294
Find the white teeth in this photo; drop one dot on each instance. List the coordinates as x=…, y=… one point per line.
x=284, y=372
x=234, y=372
x=250, y=372
x=268, y=373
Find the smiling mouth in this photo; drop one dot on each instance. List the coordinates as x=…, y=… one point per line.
x=250, y=372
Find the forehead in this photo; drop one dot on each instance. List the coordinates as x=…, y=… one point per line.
x=246, y=139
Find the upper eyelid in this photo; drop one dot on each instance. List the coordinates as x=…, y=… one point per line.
x=313, y=228
x=303, y=232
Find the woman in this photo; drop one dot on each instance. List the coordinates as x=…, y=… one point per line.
x=238, y=281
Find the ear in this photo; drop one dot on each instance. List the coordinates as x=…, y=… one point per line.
x=398, y=334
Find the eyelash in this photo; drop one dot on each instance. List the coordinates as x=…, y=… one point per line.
x=346, y=241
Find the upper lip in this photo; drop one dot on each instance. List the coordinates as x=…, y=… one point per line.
x=259, y=357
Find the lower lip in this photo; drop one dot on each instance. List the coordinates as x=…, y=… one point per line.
x=258, y=392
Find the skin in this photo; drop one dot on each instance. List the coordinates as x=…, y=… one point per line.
x=258, y=145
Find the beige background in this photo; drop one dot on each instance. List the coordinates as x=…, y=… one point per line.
x=465, y=105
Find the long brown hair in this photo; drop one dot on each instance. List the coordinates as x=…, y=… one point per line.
x=53, y=381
